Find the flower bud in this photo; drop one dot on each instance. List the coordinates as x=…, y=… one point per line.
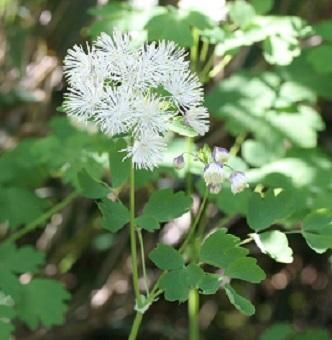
x=213, y=174
x=178, y=162
x=214, y=188
x=220, y=155
x=238, y=182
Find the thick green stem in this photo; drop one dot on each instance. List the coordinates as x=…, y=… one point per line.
x=133, y=243
x=193, y=313
x=135, y=327
x=43, y=218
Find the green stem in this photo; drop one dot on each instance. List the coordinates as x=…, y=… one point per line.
x=43, y=218
x=135, y=327
x=193, y=313
x=238, y=142
x=133, y=243
x=196, y=221
x=194, y=49
x=189, y=175
x=204, y=51
x=141, y=244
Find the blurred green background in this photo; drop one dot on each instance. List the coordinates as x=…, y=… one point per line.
x=267, y=67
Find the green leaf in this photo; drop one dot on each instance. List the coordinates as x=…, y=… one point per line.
x=281, y=50
x=178, y=125
x=209, y=284
x=19, y=260
x=317, y=230
x=159, y=206
x=19, y=206
x=147, y=222
x=239, y=302
x=195, y=275
x=223, y=250
x=317, y=334
x=119, y=166
x=115, y=215
x=242, y=13
x=166, y=257
x=6, y=329
x=262, y=6
x=246, y=269
x=170, y=26
x=174, y=285
x=278, y=331
x=16, y=261
x=275, y=244
x=324, y=29
x=90, y=187
x=320, y=58
x=176, y=25
x=43, y=301
x=267, y=210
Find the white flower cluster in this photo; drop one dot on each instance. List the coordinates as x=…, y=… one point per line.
x=134, y=90
x=214, y=173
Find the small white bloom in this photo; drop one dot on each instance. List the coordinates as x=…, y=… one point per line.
x=185, y=87
x=120, y=56
x=220, y=155
x=214, y=188
x=81, y=103
x=214, y=9
x=115, y=111
x=214, y=174
x=198, y=119
x=149, y=117
x=81, y=66
x=238, y=182
x=147, y=152
x=160, y=60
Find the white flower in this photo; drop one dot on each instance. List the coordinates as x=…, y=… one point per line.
x=238, y=182
x=198, y=119
x=127, y=87
x=220, y=155
x=160, y=60
x=120, y=55
x=147, y=152
x=149, y=117
x=81, y=103
x=214, y=174
x=185, y=87
x=115, y=111
x=214, y=9
x=81, y=66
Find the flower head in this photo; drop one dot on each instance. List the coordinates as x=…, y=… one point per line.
x=198, y=119
x=238, y=182
x=147, y=152
x=134, y=90
x=214, y=174
x=220, y=155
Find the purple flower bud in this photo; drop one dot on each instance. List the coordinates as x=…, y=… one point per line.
x=220, y=155
x=214, y=174
x=238, y=182
x=214, y=188
x=179, y=162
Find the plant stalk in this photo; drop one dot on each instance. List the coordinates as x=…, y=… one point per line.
x=193, y=313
